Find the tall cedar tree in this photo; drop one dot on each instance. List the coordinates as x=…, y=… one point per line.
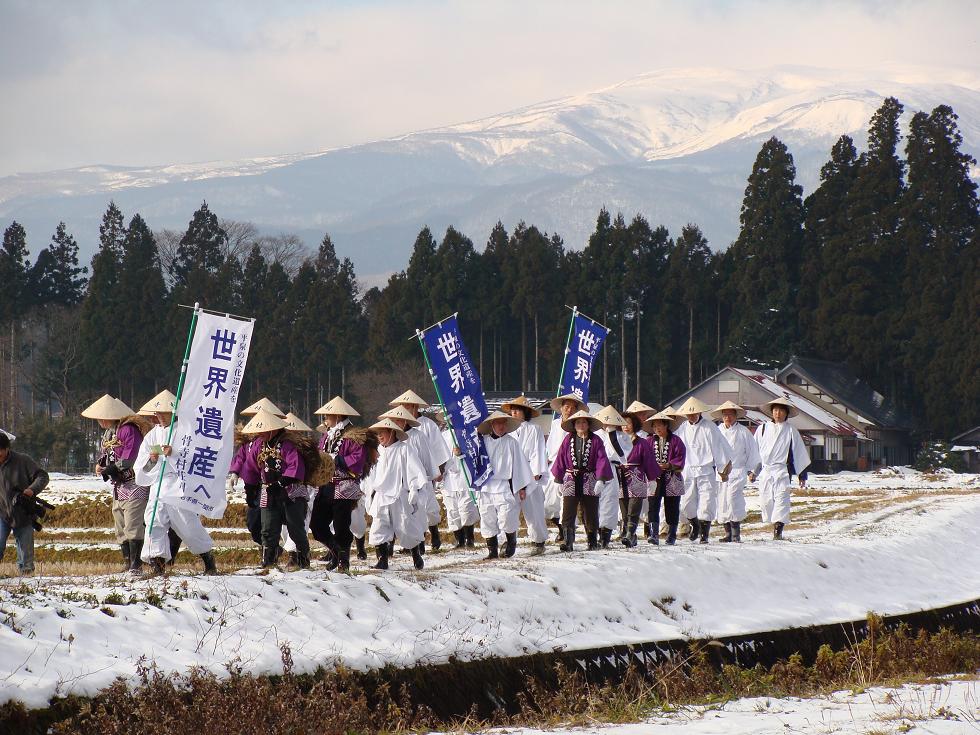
x=57, y=278
x=766, y=258
x=689, y=292
x=15, y=274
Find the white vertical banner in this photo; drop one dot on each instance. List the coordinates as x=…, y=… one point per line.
x=204, y=436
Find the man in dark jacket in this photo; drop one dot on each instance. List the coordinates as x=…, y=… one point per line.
x=19, y=476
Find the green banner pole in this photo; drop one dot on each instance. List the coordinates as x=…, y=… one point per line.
x=564, y=360
x=452, y=433
x=173, y=416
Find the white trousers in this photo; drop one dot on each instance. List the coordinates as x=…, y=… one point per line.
x=358, y=519
x=609, y=504
x=700, y=497
x=774, y=494
x=499, y=513
x=430, y=502
x=185, y=524
x=532, y=508
x=552, y=499
x=731, y=496
x=402, y=519
x=461, y=510
x=287, y=543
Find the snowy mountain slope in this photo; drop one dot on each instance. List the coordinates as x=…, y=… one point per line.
x=676, y=145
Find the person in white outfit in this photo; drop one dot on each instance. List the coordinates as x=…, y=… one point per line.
x=393, y=489
x=618, y=447
x=708, y=454
x=745, y=458
x=563, y=406
x=439, y=455
x=500, y=497
x=531, y=438
x=462, y=513
x=420, y=443
x=782, y=454
x=169, y=511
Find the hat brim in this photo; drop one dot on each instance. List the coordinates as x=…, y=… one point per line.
x=485, y=426
x=555, y=403
x=530, y=411
x=791, y=410
x=568, y=425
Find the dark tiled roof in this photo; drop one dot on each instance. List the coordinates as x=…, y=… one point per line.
x=837, y=380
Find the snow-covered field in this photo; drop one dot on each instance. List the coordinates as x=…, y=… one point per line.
x=949, y=708
x=891, y=542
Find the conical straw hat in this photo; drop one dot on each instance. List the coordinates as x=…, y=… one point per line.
x=162, y=402
x=400, y=412
x=107, y=408
x=389, y=424
x=485, y=428
x=409, y=396
x=692, y=405
x=262, y=422
x=638, y=408
x=555, y=403
x=728, y=405
x=263, y=404
x=569, y=423
x=520, y=402
x=609, y=416
x=336, y=406
x=791, y=410
x=295, y=423
x=673, y=421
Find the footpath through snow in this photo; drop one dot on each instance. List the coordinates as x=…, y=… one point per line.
x=74, y=635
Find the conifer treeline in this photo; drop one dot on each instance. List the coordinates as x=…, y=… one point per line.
x=878, y=267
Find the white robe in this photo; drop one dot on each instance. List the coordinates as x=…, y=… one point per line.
x=745, y=457
x=393, y=488
x=775, y=442
x=427, y=495
x=609, y=496
x=531, y=439
x=707, y=452
x=461, y=508
x=552, y=489
x=169, y=512
x=499, y=498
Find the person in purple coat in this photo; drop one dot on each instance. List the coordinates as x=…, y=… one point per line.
x=122, y=436
x=580, y=465
x=639, y=470
x=669, y=453
x=244, y=465
x=284, y=495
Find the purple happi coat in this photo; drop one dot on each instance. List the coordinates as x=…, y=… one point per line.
x=641, y=468
x=290, y=466
x=675, y=455
x=244, y=462
x=596, y=466
x=347, y=484
x=127, y=439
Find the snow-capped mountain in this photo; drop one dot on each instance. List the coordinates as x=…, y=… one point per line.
x=675, y=145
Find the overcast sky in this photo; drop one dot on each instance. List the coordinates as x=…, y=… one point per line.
x=141, y=82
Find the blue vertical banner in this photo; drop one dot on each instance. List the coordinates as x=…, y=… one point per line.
x=584, y=341
x=459, y=389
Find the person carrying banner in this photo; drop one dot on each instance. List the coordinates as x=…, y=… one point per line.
x=121, y=437
x=21, y=481
x=462, y=512
x=707, y=453
x=564, y=406
x=438, y=452
x=149, y=409
x=169, y=515
x=669, y=455
x=500, y=497
x=531, y=440
x=284, y=495
x=782, y=454
x=745, y=457
x=612, y=501
x=393, y=489
x=580, y=466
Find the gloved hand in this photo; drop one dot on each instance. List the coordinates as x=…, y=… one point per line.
x=231, y=482
x=112, y=472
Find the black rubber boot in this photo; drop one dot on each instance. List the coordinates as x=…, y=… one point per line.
x=293, y=561
x=334, y=558
x=705, y=530
x=671, y=534
x=647, y=532
x=124, y=548
x=343, y=565
x=537, y=548
x=270, y=555
x=175, y=543
x=654, y=537
x=592, y=538
x=435, y=538
x=210, y=568
x=420, y=547
x=728, y=533
x=158, y=566
x=605, y=535
x=630, y=541
x=492, y=549
x=302, y=560
x=568, y=538
x=382, y=551
x=135, y=549
x=777, y=531
x=417, y=559
x=361, y=551
x=510, y=548
x=460, y=536
x=470, y=541
x=695, y=529
x=560, y=536
x=737, y=532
